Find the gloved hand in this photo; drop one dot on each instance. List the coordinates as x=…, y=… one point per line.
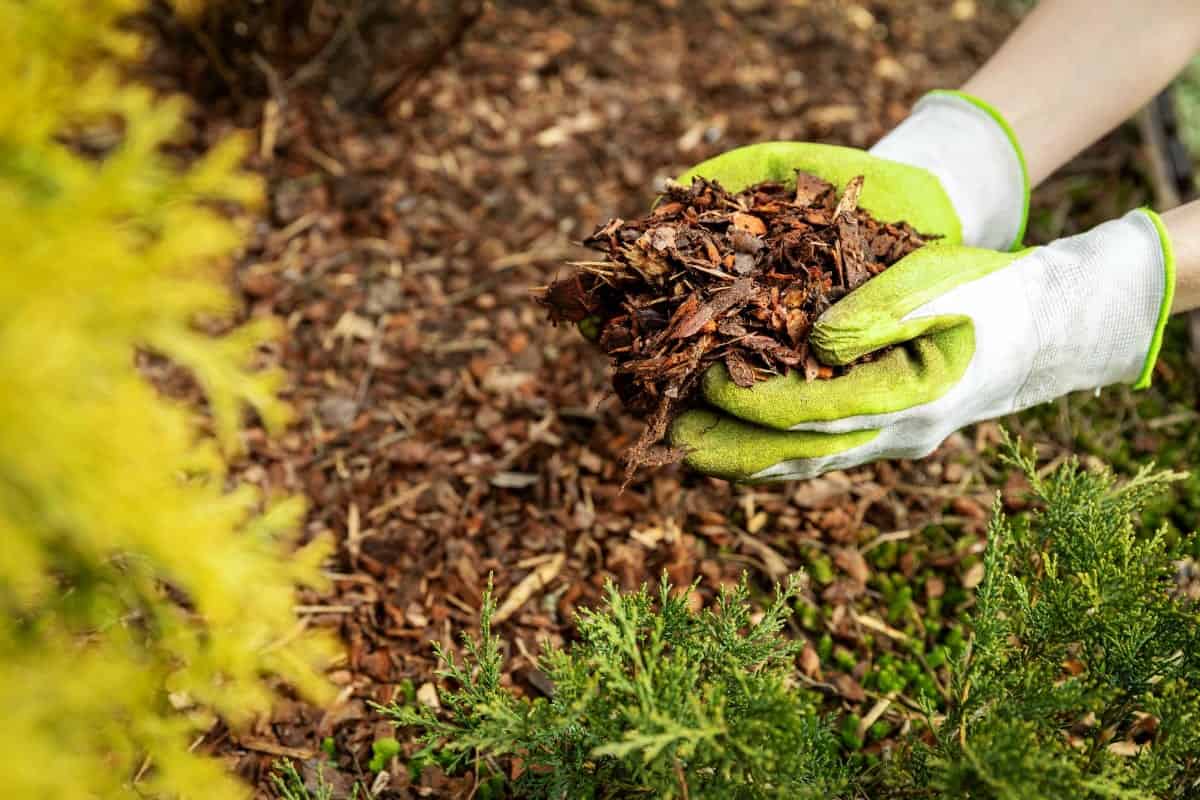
x=979, y=333
x=952, y=168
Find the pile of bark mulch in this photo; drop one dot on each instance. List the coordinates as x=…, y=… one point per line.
x=713, y=277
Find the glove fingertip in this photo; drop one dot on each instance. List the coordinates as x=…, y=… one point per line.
x=689, y=427
x=710, y=444
x=747, y=404
x=836, y=344
x=715, y=384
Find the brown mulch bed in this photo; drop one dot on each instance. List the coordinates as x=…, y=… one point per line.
x=425, y=172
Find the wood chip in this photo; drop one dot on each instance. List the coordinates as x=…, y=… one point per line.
x=872, y=716
x=739, y=292
x=427, y=695
x=850, y=561
x=513, y=480
x=531, y=584
x=773, y=564
x=867, y=621
x=749, y=223
x=848, y=203
x=810, y=662
x=810, y=189
x=849, y=688
x=261, y=745
x=740, y=371
x=973, y=576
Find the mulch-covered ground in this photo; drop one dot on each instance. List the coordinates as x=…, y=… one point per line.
x=429, y=164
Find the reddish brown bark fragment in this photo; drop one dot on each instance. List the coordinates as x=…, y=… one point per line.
x=734, y=296
x=739, y=369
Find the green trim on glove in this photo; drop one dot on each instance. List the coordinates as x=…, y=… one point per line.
x=1168, y=253
x=734, y=450
x=892, y=191
x=995, y=114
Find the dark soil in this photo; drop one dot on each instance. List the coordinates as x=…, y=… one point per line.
x=713, y=277
x=426, y=166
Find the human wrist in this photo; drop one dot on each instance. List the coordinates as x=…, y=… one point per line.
x=1182, y=224
x=973, y=153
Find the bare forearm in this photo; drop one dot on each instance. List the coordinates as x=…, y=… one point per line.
x=1075, y=69
x=1183, y=227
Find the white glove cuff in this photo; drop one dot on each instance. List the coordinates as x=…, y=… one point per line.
x=1100, y=307
x=971, y=150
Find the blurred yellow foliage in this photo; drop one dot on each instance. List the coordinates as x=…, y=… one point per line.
x=110, y=495
x=189, y=9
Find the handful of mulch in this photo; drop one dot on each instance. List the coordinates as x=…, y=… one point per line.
x=711, y=276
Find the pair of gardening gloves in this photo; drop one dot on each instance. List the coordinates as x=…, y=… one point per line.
x=980, y=328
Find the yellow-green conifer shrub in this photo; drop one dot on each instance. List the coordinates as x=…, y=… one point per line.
x=133, y=578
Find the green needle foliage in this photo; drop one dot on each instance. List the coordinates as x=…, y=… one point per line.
x=652, y=701
x=1081, y=679
x=1081, y=654
x=289, y=784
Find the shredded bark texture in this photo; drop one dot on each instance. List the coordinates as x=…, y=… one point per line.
x=711, y=276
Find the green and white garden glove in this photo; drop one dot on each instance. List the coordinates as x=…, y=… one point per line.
x=977, y=334
x=975, y=156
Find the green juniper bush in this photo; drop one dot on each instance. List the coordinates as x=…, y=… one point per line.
x=1081, y=679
